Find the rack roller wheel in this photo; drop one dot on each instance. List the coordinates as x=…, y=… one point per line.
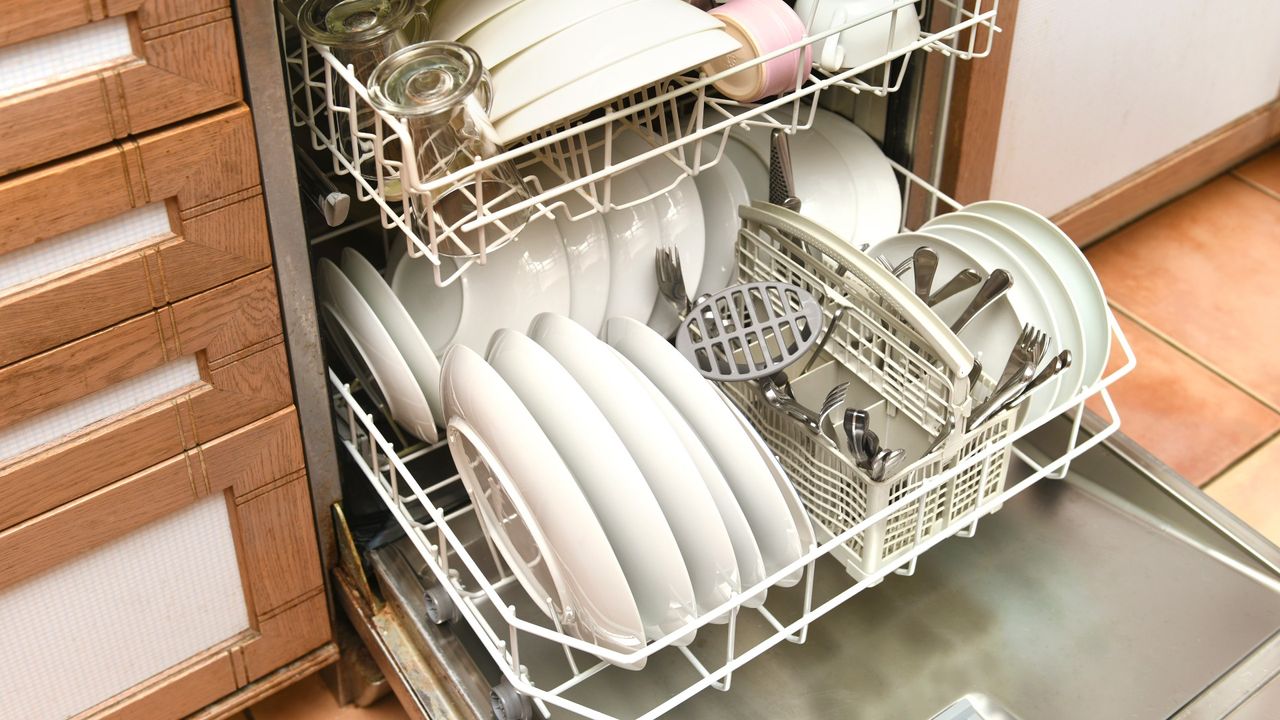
x=440, y=607
x=508, y=703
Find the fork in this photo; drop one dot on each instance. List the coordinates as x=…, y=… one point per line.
x=671, y=279
x=834, y=399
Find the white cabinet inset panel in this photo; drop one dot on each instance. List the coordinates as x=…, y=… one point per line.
x=1099, y=89
x=136, y=228
x=65, y=54
x=155, y=384
x=119, y=614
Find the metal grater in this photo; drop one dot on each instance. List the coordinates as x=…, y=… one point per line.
x=749, y=331
x=782, y=181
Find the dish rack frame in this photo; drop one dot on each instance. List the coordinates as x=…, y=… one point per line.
x=681, y=118
x=503, y=631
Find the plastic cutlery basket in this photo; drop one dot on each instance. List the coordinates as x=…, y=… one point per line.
x=902, y=354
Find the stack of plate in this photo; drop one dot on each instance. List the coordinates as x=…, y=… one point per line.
x=626, y=494
x=843, y=180
x=598, y=267
x=552, y=60
x=1054, y=289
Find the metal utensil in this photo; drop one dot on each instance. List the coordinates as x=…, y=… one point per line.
x=750, y=331
x=855, y=425
x=1028, y=349
x=896, y=270
x=1057, y=364
x=836, y=316
x=782, y=181
x=1001, y=396
x=884, y=462
x=671, y=279
x=995, y=286
x=924, y=265
x=835, y=398
x=962, y=281
x=776, y=390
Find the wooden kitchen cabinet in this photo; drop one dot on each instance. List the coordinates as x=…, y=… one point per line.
x=115, y=68
x=159, y=554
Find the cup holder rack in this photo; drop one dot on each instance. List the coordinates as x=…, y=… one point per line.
x=683, y=119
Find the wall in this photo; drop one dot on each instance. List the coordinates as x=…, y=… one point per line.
x=1098, y=89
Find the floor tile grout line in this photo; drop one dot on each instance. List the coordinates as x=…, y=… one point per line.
x=1240, y=459
x=1256, y=186
x=1196, y=357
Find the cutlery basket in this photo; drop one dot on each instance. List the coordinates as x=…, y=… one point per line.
x=894, y=363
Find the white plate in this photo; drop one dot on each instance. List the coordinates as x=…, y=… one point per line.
x=879, y=208
x=613, y=484
x=595, y=44
x=721, y=191
x=993, y=332
x=1072, y=267
x=547, y=534
x=404, y=395
x=670, y=471
x=824, y=181
x=518, y=281
x=753, y=171
x=745, y=549
x=808, y=540
x=586, y=243
x=749, y=476
x=1045, y=279
x=679, y=212
x=1029, y=301
x=451, y=19
x=527, y=23
x=634, y=234
x=408, y=339
x=594, y=90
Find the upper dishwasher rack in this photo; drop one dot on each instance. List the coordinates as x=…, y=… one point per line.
x=682, y=118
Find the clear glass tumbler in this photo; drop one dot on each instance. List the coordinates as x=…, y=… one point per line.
x=441, y=91
x=361, y=34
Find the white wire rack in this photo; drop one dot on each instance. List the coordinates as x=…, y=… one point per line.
x=681, y=118
x=565, y=676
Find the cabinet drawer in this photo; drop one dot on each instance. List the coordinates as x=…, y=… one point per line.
x=75, y=75
x=91, y=241
x=81, y=416
x=167, y=580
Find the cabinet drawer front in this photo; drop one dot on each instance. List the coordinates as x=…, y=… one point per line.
x=109, y=571
x=89, y=242
x=90, y=412
x=75, y=75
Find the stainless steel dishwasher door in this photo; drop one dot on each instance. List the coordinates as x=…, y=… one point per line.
x=1113, y=594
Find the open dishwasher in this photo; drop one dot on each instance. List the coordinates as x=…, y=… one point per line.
x=1088, y=595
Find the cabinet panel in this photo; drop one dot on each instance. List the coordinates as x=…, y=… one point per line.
x=62, y=437
x=158, y=220
x=160, y=63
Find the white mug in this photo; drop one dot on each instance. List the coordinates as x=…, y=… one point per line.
x=863, y=42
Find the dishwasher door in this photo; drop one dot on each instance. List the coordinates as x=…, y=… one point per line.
x=1121, y=592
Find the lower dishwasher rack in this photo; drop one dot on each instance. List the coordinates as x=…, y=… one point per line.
x=550, y=672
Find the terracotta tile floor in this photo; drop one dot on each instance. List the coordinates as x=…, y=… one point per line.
x=1195, y=286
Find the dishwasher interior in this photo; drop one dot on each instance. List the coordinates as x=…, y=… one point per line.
x=1095, y=593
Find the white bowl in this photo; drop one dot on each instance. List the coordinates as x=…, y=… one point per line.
x=863, y=43
x=721, y=191
x=529, y=22
x=586, y=243
x=525, y=277
x=568, y=101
